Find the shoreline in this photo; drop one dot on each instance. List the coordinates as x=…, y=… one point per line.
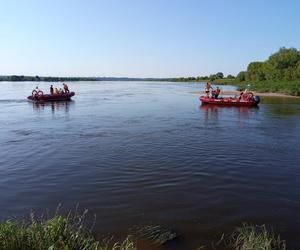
x=267, y=94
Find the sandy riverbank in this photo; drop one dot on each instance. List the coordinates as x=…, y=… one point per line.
x=232, y=93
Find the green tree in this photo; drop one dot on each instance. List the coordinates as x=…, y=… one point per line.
x=282, y=65
x=241, y=76
x=219, y=75
x=298, y=70
x=212, y=77
x=255, y=71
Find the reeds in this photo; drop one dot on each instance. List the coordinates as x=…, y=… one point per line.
x=255, y=237
x=71, y=233
x=56, y=233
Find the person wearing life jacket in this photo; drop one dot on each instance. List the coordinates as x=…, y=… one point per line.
x=66, y=88
x=217, y=92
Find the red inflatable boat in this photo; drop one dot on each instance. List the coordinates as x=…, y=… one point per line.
x=247, y=99
x=40, y=97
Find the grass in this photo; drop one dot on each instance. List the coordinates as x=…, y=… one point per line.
x=71, y=233
x=248, y=237
x=225, y=81
x=285, y=87
x=255, y=237
x=57, y=233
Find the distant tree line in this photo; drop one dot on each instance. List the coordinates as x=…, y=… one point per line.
x=21, y=78
x=212, y=77
x=282, y=65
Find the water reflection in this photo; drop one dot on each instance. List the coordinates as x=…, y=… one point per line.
x=282, y=106
x=212, y=111
x=286, y=110
x=279, y=100
x=55, y=106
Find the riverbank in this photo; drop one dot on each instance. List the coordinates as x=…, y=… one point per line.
x=70, y=232
x=286, y=88
x=233, y=93
x=274, y=88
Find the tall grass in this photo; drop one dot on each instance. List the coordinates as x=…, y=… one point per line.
x=71, y=233
x=57, y=233
x=248, y=237
x=255, y=237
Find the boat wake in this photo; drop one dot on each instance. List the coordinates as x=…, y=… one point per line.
x=12, y=101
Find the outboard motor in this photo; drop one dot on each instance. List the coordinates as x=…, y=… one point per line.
x=256, y=99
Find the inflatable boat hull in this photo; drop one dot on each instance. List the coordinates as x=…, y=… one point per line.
x=50, y=98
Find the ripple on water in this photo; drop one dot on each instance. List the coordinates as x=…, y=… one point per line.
x=146, y=152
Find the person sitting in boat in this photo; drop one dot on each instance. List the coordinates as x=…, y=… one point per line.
x=207, y=88
x=241, y=94
x=66, y=88
x=61, y=91
x=56, y=92
x=51, y=90
x=216, y=92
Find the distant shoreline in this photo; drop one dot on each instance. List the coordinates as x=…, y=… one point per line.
x=22, y=78
x=232, y=93
x=263, y=88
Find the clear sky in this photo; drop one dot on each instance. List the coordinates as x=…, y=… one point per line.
x=142, y=38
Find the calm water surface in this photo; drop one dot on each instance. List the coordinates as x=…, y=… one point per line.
x=136, y=153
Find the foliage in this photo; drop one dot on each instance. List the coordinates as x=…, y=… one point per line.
x=283, y=65
x=255, y=72
x=218, y=75
x=241, y=76
x=230, y=76
x=285, y=87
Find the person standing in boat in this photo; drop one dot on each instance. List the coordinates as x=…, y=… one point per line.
x=66, y=88
x=51, y=90
x=207, y=88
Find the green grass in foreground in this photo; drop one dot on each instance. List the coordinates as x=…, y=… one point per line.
x=70, y=233
x=251, y=237
x=57, y=233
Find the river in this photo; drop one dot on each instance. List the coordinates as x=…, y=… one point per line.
x=138, y=153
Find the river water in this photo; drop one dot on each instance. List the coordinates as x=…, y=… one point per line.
x=137, y=153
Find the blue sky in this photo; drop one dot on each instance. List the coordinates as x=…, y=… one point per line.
x=142, y=38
